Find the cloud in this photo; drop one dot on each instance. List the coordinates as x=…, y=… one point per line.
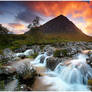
x=26, y=16
x=1, y=12
x=27, y=11
x=16, y=27
x=76, y=8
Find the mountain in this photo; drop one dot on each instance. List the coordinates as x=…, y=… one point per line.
x=3, y=30
x=61, y=25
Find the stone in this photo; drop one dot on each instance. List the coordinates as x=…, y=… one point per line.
x=52, y=63
x=42, y=59
x=89, y=61
x=7, y=52
x=1, y=57
x=50, y=50
x=7, y=70
x=36, y=49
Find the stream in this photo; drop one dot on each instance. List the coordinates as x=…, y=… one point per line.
x=72, y=75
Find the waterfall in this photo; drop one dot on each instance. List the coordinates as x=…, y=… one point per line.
x=76, y=73
x=38, y=58
x=69, y=76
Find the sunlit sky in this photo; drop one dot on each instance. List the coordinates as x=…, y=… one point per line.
x=17, y=15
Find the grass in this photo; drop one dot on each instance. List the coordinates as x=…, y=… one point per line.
x=16, y=41
x=64, y=52
x=33, y=56
x=57, y=53
x=60, y=53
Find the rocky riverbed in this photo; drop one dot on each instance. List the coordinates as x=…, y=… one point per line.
x=25, y=67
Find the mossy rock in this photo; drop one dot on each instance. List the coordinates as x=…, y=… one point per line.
x=90, y=84
x=60, y=53
x=2, y=85
x=1, y=65
x=33, y=56
x=57, y=53
x=1, y=52
x=64, y=52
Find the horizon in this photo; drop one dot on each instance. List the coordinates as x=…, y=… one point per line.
x=17, y=15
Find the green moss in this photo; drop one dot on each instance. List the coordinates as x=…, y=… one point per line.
x=1, y=65
x=57, y=53
x=64, y=52
x=33, y=56
x=2, y=85
x=1, y=52
x=90, y=82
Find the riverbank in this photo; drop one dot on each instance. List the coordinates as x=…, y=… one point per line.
x=25, y=67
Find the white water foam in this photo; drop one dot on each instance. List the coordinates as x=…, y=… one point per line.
x=67, y=77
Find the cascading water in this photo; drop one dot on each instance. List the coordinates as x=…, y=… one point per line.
x=73, y=76
x=76, y=73
x=38, y=58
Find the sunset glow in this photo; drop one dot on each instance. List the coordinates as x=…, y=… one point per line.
x=19, y=14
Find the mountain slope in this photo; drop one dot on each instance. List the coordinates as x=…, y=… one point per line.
x=61, y=25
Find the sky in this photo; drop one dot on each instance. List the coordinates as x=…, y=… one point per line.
x=16, y=15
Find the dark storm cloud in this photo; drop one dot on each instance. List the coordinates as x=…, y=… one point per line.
x=26, y=16
x=1, y=12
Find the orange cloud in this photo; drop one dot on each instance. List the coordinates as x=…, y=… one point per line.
x=75, y=8
x=16, y=28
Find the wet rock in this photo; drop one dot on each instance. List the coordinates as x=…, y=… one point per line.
x=8, y=55
x=21, y=49
x=5, y=59
x=52, y=63
x=49, y=50
x=1, y=57
x=90, y=53
x=71, y=51
x=24, y=87
x=42, y=59
x=7, y=52
x=27, y=75
x=36, y=49
x=89, y=61
x=24, y=48
x=7, y=70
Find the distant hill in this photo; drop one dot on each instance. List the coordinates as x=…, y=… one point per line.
x=3, y=30
x=61, y=25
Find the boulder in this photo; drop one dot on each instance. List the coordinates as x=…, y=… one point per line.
x=27, y=75
x=42, y=59
x=7, y=70
x=90, y=53
x=36, y=49
x=9, y=55
x=89, y=61
x=24, y=87
x=7, y=52
x=71, y=51
x=1, y=57
x=52, y=62
x=49, y=50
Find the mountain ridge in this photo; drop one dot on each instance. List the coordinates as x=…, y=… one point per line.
x=61, y=25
